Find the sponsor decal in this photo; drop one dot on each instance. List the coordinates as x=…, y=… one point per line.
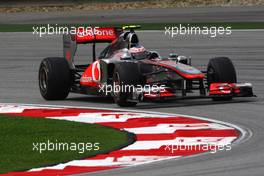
x=96, y=71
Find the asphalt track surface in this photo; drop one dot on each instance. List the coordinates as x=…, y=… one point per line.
x=170, y=15
x=21, y=53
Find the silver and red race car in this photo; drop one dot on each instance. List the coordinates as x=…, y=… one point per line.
x=129, y=73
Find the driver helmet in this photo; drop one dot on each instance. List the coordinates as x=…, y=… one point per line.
x=136, y=49
x=138, y=52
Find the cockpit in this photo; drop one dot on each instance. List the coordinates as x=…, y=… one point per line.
x=135, y=49
x=129, y=45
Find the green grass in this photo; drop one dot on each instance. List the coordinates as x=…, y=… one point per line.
x=17, y=135
x=144, y=26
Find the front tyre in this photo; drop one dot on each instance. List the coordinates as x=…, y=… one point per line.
x=125, y=76
x=54, y=78
x=221, y=70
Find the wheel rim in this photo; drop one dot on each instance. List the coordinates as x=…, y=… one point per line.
x=43, y=79
x=116, y=83
x=210, y=74
x=210, y=70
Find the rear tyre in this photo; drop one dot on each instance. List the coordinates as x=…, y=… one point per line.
x=221, y=69
x=125, y=74
x=54, y=78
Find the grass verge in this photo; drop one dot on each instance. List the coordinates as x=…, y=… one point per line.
x=18, y=134
x=144, y=26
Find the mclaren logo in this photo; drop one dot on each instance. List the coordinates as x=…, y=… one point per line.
x=96, y=72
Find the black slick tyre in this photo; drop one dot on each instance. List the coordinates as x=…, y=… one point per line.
x=221, y=69
x=54, y=78
x=125, y=75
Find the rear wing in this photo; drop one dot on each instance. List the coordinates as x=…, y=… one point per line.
x=87, y=35
x=96, y=35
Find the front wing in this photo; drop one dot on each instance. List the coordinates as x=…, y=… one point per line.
x=215, y=90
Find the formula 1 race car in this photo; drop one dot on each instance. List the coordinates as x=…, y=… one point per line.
x=129, y=73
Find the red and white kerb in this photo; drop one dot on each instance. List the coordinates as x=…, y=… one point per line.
x=153, y=132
